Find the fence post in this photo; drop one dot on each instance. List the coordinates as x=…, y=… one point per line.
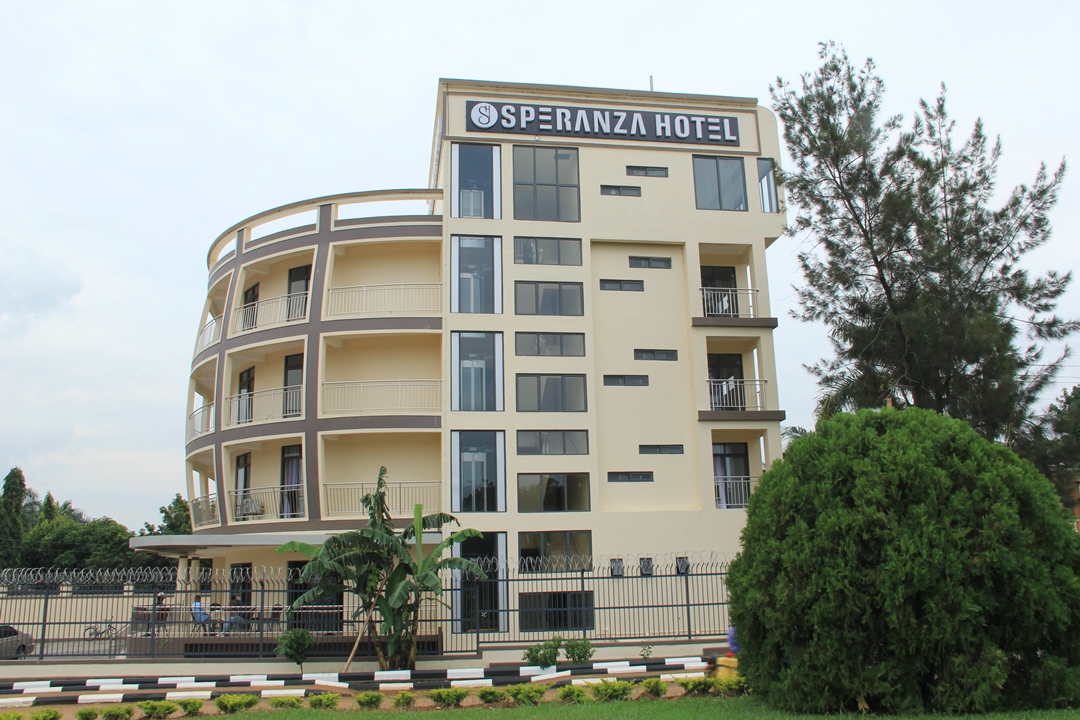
x=44, y=621
x=686, y=578
x=153, y=619
x=584, y=610
x=262, y=612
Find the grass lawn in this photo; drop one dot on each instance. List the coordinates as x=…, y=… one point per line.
x=673, y=709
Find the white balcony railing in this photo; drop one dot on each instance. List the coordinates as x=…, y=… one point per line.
x=200, y=422
x=733, y=491
x=729, y=302
x=281, y=403
x=270, y=312
x=285, y=502
x=733, y=394
x=210, y=334
x=343, y=499
x=385, y=299
x=381, y=396
x=204, y=511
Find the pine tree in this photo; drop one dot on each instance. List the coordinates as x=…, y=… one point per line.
x=11, y=527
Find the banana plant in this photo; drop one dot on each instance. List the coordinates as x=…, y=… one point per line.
x=390, y=577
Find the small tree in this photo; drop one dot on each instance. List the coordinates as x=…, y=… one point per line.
x=295, y=644
x=896, y=561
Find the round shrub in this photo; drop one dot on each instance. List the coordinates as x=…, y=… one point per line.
x=896, y=561
x=572, y=694
x=118, y=712
x=86, y=713
x=287, y=702
x=448, y=697
x=489, y=695
x=324, y=701
x=371, y=700
x=405, y=699
x=654, y=687
x=190, y=706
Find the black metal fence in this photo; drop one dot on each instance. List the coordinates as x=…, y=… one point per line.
x=142, y=614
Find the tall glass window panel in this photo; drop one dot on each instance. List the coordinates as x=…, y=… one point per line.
x=292, y=495
x=719, y=183
x=478, y=483
x=244, y=505
x=766, y=172
x=547, y=251
x=480, y=605
x=477, y=183
x=731, y=473
x=546, y=184
x=553, y=492
x=476, y=268
x=477, y=382
x=293, y=392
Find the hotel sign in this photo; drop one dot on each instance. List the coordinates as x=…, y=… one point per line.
x=580, y=122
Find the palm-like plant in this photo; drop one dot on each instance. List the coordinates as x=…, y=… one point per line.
x=390, y=577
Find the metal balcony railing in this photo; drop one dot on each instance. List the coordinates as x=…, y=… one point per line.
x=201, y=421
x=210, y=334
x=343, y=499
x=204, y=511
x=284, y=502
x=270, y=312
x=729, y=302
x=733, y=491
x=385, y=299
x=281, y=403
x=734, y=394
x=381, y=396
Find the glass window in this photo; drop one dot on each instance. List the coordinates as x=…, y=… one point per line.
x=292, y=491
x=643, y=171
x=551, y=393
x=656, y=354
x=546, y=184
x=551, y=611
x=560, y=344
x=548, y=298
x=624, y=190
x=731, y=475
x=633, y=380
x=477, y=275
x=624, y=285
x=475, y=176
x=478, y=484
x=478, y=377
x=555, y=551
x=660, y=449
x=629, y=477
x=547, y=251
x=719, y=183
x=663, y=263
x=767, y=185
x=559, y=492
x=553, y=442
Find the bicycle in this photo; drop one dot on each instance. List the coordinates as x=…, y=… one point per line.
x=93, y=632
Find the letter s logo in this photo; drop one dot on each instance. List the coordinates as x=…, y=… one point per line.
x=484, y=115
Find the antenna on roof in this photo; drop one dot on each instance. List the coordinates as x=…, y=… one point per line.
x=650, y=83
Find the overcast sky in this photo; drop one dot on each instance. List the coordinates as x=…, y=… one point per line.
x=133, y=133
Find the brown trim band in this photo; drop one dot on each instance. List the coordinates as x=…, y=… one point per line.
x=766, y=322
x=759, y=415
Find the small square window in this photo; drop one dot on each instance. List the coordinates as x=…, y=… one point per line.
x=617, y=568
x=646, y=565
x=682, y=565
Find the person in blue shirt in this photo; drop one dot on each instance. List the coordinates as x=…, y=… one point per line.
x=198, y=613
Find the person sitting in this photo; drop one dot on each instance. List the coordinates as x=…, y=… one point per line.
x=199, y=616
x=238, y=616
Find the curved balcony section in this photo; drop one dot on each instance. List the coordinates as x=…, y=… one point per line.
x=210, y=334
x=204, y=512
x=272, y=312
x=733, y=491
x=263, y=406
x=342, y=500
x=385, y=300
x=382, y=397
x=737, y=395
x=285, y=502
x=200, y=422
x=730, y=302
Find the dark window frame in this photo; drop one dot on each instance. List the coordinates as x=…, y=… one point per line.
x=653, y=354
x=611, y=285
x=722, y=204
x=620, y=190
x=660, y=449
x=524, y=376
x=518, y=336
x=559, y=185
x=631, y=476
x=565, y=492
x=564, y=611
x=652, y=263
x=541, y=563
x=518, y=284
x=646, y=171
x=542, y=442
x=526, y=251
x=625, y=380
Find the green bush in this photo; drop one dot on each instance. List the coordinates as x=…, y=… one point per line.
x=610, y=690
x=572, y=694
x=526, y=693
x=118, y=712
x=46, y=713
x=85, y=713
x=544, y=654
x=295, y=645
x=371, y=700
x=698, y=686
x=324, y=701
x=191, y=706
x=12, y=715
x=732, y=686
x=579, y=651
x=654, y=687
x=229, y=704
x=157, y=709
x=405, y=699
x=448, y=697
x=289, y=702
x=896, y=560
x=487, y=695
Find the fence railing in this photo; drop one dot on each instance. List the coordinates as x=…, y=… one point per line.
x=729, y=302
x=210, y=334
x=270, y=312
x=140, y=614
x=201, y=421
x=264, y=406
x=385, y=299
x=343, y=499
x=734, y=394
x=284, y=502
x=381, y=396
x=204, y=511
x=733, y=491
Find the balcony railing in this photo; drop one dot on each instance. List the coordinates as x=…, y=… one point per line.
x=343, y=499
x=729, y=302
x=381, y=396
x=270, y=312
x=385, y=299
x=201, y=421
x=210, y=334
x=281, y=403
x=733, y=491
x=737, y=394
x=204, y=511
x=284, y=502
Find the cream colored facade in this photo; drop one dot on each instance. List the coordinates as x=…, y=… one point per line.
x=333, y=346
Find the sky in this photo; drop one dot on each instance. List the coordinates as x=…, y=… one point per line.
x=133, y=133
